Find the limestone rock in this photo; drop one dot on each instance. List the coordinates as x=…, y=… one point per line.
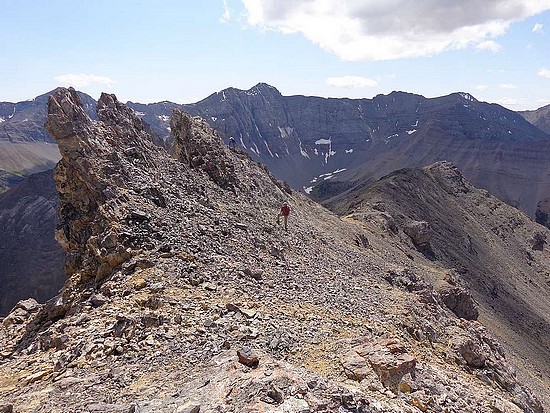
x=388, y=358
x=197, y=147
x=420, y=233
x=459, y=301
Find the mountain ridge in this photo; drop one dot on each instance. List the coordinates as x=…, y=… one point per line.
x=183, y=294
x=307, y=140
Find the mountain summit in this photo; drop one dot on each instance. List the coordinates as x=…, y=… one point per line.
x=184, y=294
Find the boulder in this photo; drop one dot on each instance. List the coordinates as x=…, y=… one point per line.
x=420, y=233
x=459, y=301
x=388, y=358
x=538, y=241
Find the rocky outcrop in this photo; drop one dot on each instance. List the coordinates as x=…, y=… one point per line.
x=387, y=358
x=174, y=276
x=420, y=233
x=195, y=145
x=542, y=215
x=459, y=300
x=25, y=145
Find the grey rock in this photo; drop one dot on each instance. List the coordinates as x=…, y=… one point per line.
x=420, y=233
x=459, y=301
x=97, y=300
x=188, y=409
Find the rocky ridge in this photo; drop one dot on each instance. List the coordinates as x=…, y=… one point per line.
x=540, y=117
x=325, y=146
x=496, y=250
x=184, y=295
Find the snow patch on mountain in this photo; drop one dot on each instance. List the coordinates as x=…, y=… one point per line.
x=285, y=131
x=255, y=149
x=268, y=149
x=323, y=142
x=469, y=97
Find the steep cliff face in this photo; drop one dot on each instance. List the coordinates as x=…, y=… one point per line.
x=328, y=145
x=31, y=260
x=185, y=295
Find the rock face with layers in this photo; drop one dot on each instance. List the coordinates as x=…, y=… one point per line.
x=174, y=275
x=31, y=260
x=197, y=146
x=86, y=198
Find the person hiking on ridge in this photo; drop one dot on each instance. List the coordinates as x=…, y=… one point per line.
x=284, y=212
x=232, y=143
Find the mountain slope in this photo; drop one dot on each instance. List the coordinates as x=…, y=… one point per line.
x=31, y=260
x=184, y=295
x=496, y=250
x=336, y=143
x=341, y=142
x=540, y=117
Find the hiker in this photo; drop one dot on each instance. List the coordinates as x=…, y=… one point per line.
x=232, y=142
x=284, y=212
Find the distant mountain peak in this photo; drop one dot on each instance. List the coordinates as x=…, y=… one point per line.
x=468, y=96
x=264, y=86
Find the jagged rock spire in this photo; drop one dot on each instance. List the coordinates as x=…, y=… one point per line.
x=199, y=147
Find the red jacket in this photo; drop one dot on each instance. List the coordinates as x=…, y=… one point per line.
x=285, y=210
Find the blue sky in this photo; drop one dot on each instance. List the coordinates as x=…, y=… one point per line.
x=184, y=50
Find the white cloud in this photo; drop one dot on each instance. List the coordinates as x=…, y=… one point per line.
x=226, y=16
x=538, y=28
x=512, y=102
x=489, y=45
x=544, y=73
x=507, y=86
x=82, y=80
x=392, y=29
x=481, y=88
x=351, y=82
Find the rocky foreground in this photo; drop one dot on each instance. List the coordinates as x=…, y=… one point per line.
x=185, y=296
